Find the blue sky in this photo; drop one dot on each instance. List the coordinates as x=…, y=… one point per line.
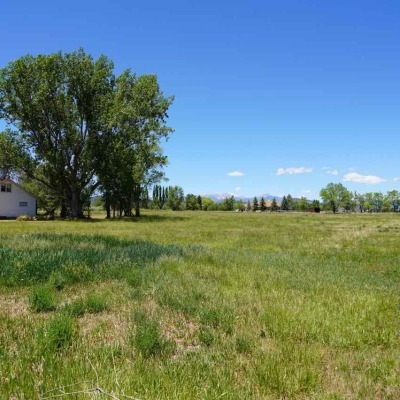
x=270, y=96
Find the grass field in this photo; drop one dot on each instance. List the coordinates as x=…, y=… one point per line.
x=201, y=306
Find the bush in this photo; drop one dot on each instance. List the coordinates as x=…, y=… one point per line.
x=26, y=218
x=42, y=299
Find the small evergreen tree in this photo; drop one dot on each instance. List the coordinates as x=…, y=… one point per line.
x=284, y=204
x=263, y=206
x=290, y=202
x=255, y=204
x=274, y=205
x=248, y=206
x=199, y=203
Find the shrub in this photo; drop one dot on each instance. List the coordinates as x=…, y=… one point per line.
x=42, y=299
x=26, y=218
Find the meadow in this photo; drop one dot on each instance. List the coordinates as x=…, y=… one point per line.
x=196, y=305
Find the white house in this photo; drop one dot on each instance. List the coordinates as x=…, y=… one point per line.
x=14, y=200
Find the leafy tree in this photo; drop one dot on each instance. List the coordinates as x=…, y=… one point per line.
x=138, y=113
x=207, y=203
x=350, y=203
x=191, y=202
x=239, y=205
x=199, y=203
x=13, y=156
x=360, y=202
x=302, y=204
x=84, y=126
x=227, y=204
x=335, y=195
x=58, y=104
x=176, y=198
x=377, y=200
x=393, y=199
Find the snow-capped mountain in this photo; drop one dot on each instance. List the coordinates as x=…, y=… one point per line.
x=220, y=197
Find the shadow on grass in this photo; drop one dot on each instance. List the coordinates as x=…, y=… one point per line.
x=79, y=257
x=142, y=218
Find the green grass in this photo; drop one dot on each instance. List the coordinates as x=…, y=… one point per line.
x=199, y=305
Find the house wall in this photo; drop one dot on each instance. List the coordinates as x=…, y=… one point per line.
x=17, y=202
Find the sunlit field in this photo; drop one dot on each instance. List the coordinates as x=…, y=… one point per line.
x=201, y=305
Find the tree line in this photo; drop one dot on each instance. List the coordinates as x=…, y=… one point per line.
x=335, y=198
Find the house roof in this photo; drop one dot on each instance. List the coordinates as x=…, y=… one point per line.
x=8, y=180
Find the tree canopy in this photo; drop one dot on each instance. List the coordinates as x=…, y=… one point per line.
x=335, y=195
x=83, y=126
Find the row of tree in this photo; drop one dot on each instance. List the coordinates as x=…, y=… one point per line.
x=337, y=197
x=77, y=129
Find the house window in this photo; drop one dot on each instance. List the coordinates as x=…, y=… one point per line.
x=5, y=187
x=23, y=204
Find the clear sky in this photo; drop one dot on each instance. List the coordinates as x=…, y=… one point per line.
x=273, y=97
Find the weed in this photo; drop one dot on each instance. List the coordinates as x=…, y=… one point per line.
x=57, y=280
x=135, y=278
x=206, y=336
x=42, y=299
x=243, y=345
x=147, y=339
x=58, y=335
x=75, y=309
x=96, y=303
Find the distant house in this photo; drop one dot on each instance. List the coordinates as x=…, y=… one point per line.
x=14, y=200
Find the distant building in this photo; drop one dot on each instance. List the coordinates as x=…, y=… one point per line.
x=15, y=201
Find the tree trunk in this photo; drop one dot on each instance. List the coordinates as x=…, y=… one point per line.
x=108, y=210
x=76, y=204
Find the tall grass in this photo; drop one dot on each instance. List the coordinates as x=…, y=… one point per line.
x=203, y=305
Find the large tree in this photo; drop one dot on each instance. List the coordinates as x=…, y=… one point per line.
x=335, y=195
x=83, y=125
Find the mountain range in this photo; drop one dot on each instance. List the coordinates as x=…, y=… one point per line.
x=220, y=197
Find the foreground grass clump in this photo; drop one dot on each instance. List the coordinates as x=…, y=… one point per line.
x=42, y=298
x=58, y=335
x=147, y=338
x=202, y=306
